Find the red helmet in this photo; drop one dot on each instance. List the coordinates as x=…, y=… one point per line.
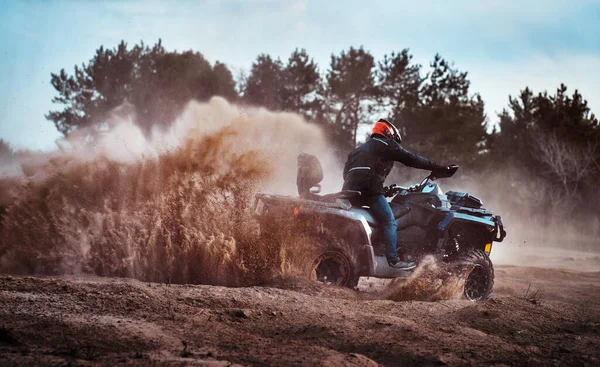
x=387, y=129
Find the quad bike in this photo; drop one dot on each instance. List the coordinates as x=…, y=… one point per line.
x=453, y=227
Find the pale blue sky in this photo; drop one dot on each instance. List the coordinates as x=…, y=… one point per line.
x=504, y=45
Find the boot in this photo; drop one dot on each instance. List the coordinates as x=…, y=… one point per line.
x=401, y=265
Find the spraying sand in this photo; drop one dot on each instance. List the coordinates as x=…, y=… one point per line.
x=173, y=207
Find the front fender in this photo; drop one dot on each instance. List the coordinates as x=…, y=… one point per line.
x=471, y=231
x=500, y=233
x=493, y=222
x=454, y=217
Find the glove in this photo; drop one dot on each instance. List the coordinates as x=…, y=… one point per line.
x=447, y=171
x=386, y=191
x=389, y=191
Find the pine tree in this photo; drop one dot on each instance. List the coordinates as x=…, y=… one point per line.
x=449, y=123
x=350, y=93
x=153, y=83
x=302, y=86
x=264, y=85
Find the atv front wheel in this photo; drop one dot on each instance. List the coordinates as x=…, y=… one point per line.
x=480, y=279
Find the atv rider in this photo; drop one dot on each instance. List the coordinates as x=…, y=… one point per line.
x=366, y=170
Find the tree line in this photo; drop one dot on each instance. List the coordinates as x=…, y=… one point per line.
x=554, y=137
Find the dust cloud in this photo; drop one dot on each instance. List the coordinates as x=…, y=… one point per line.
x=173, y=207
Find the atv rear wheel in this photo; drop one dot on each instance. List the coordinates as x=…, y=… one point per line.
x=332, y=266
x=480, y=278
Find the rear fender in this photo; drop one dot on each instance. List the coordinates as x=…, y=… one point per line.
x=282, y=214
x=351, y=227
x=348, y=223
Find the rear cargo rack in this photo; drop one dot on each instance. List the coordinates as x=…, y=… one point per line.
x=287, y=200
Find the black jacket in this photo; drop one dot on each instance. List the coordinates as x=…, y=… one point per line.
x=369, y=164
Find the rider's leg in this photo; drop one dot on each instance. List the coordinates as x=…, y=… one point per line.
x=385, y=218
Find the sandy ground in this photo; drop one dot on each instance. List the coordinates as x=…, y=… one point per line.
x=105, y=321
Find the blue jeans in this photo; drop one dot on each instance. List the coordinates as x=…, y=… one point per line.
x=385, y=218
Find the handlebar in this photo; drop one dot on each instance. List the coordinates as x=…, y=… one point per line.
x=393, y=189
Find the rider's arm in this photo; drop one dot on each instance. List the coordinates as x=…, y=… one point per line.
x=399, y=154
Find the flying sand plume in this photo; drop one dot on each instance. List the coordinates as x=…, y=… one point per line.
x=169, y=207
